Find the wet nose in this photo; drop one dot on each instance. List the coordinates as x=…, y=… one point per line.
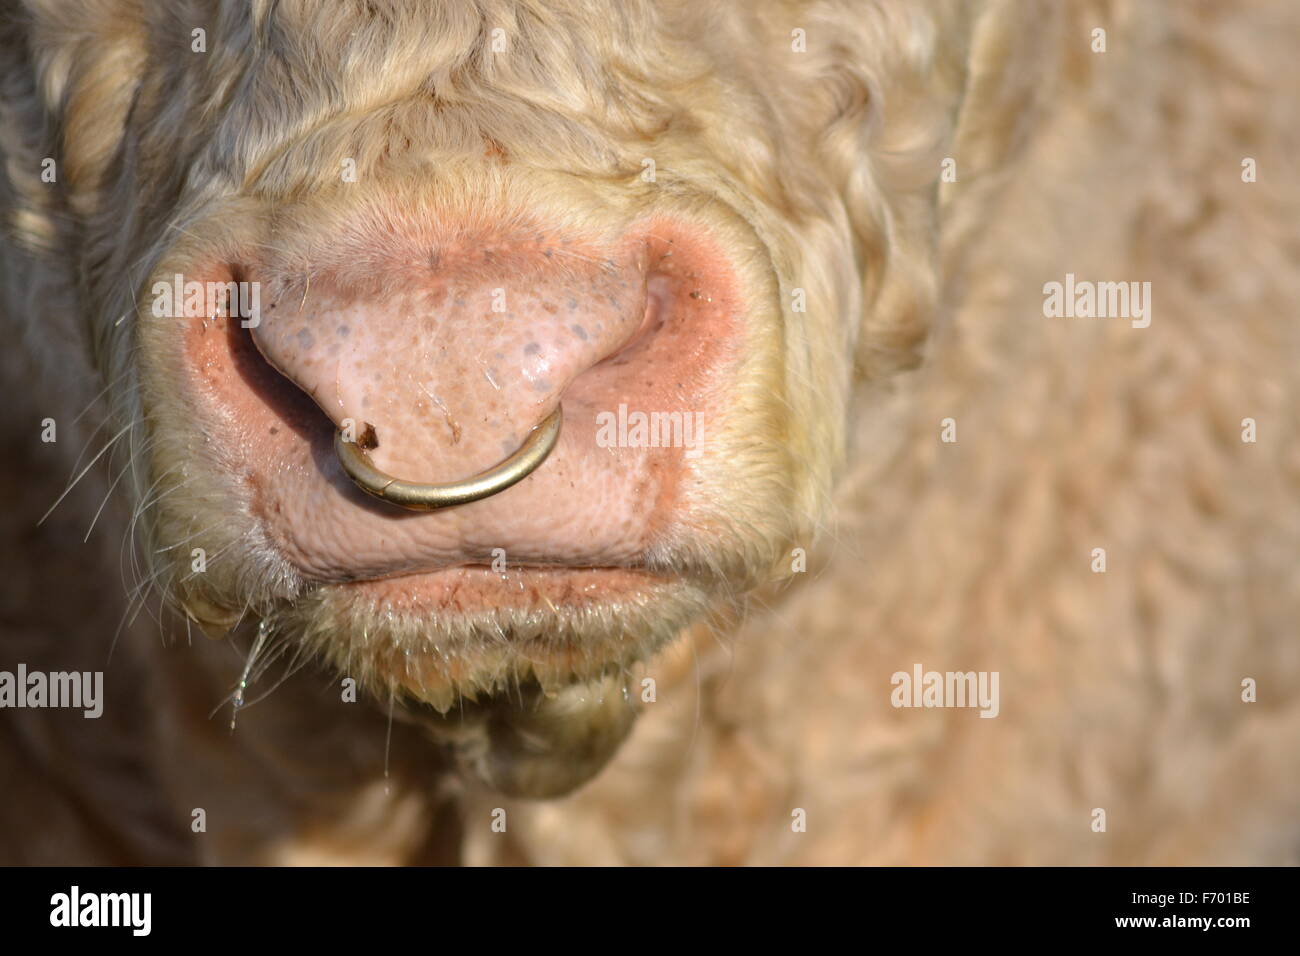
x=445, y=373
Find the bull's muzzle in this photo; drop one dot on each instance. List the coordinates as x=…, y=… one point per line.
x=429, y=497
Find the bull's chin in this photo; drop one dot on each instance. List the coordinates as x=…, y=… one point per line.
x=528, y=677
x=538, y=744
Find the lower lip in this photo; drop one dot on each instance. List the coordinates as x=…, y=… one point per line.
x=476, y=588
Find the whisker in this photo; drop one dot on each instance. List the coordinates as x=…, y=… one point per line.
x=89, y=464
x=98, y=395
x=107, y=495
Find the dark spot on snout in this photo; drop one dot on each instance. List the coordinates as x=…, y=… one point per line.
x=369, y=438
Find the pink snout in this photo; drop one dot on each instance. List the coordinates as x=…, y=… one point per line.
x=444, y=374
x=440, y=362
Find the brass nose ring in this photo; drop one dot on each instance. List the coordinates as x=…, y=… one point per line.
x=418, y=496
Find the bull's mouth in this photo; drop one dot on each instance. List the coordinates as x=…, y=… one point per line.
x=440, y=636
x=470, y=588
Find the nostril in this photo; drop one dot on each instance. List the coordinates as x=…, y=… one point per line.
x=290, y=404
x=657, y=301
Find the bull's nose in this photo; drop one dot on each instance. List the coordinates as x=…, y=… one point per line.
x=454, y=368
